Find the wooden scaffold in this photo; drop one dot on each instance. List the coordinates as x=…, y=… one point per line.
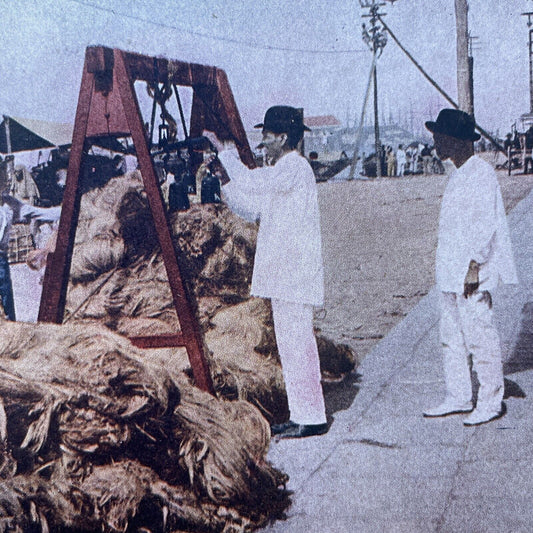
x=108, y=107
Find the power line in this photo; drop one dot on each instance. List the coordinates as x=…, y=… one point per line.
x=214, y=37
x=436, y=85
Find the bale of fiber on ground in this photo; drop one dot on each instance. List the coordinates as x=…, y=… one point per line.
x=99, y=246
x=95, y=435
x=215, y=250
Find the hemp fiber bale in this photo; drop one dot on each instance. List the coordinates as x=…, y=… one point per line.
x=96, y=436
x=215, y=250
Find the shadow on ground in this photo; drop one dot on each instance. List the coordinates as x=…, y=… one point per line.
x=339, y=396
x=522, y=356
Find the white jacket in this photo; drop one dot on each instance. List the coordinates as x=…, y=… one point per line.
x=473, y=226
x=288, y=257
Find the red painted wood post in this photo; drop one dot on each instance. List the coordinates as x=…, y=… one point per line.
x=188, y=323
x=56, y=276
x=105, y=74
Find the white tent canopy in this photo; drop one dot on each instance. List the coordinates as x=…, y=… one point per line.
x=21, y=134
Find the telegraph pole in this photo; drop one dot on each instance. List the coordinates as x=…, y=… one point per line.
x=471, y=48
x=530, y=44
x=377, y=140
x=464, y=70
x=376, y=38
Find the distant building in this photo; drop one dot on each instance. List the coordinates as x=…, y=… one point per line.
x=322, y=122
x=324, y=135
x=525, y=121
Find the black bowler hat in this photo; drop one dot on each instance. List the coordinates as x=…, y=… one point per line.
x=283, y=119
x=456, y=124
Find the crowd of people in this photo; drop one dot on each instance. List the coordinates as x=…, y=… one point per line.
x=412, y=159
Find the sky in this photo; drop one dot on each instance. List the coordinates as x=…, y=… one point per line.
x=305, y=53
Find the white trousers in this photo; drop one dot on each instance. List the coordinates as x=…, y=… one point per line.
x=295, y=337
x=466, y=327
x=401, y=168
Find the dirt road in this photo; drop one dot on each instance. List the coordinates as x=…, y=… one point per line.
x=379, y=239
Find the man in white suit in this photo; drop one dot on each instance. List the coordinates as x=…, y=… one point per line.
x=401, y=160
x=288, y=260
x=473, y=254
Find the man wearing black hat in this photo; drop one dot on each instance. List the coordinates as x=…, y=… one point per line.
x=288, y=259
x=473, y=254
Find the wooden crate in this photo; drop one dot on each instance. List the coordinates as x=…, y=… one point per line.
x=20, y=243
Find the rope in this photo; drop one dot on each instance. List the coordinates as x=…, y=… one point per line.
x=160, y=96
x=181, y=111
x=360, y=129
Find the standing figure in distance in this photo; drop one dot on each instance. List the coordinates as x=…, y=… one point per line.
x=414, y=160
x=401, y=160
x=288, y=260
x=426, y=159
x=391, y=162
x=473, y=254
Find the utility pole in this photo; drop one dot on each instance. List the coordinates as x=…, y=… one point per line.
x=436, y=85
x=376, y=38
x=471, y=48
x=464, y=70
x=530, y=44
x=377, y=140
x=8, y=133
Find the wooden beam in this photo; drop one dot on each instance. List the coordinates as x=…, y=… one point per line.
x=188, y=323
x=107, y=105
x=159, y=341
x=55, y=282
x=165, y=70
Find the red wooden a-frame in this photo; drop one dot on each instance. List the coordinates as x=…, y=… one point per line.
x=108, y=105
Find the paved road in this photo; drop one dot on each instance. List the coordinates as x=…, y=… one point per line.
x=383, y=467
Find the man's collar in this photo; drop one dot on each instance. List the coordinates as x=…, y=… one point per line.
x=288, y=152
x=449, y=166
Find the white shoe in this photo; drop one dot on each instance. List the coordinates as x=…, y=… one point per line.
x=448, y=407
x=482, y=416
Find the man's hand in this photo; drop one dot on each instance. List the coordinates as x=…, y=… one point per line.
x=487, y=298
x=8, y=199
x=471, y=282
x=214, y=164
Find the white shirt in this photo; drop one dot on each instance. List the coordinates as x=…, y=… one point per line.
x=400, y=156
x=473, y=226
x=288, y=257
x=16, y=211
x=131, y=162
